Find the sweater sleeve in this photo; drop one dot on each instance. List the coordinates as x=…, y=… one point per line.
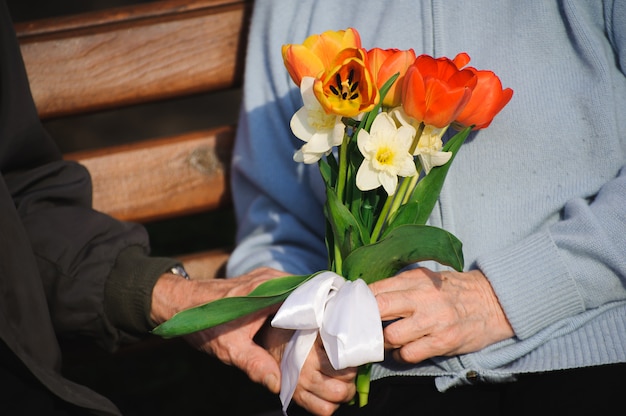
x=278, y=209
x=575, y=265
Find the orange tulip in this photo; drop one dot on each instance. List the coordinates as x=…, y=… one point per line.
x=348, y=88
x=488, y=98
x=435, y=91
x=385, y=63
x=317, y=53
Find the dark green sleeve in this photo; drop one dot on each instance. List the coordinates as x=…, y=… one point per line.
x=128, y=290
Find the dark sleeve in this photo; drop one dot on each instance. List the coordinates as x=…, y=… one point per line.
x=96, y=271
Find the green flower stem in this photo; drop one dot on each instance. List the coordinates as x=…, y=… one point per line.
x=363, y=383
x=401, y=192
x=343, y=167
x=418, y=136
x=381, y=220
x=411, y=186
x=338, y=260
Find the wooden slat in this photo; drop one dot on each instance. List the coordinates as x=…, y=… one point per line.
x=134, y=54
x=161, y=178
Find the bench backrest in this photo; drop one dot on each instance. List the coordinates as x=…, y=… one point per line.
x=137, y=54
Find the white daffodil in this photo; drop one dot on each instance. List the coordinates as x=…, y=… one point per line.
x=311, y=124
x=386, y=152
x=429, y=144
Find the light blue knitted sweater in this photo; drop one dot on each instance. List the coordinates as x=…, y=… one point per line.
x=538, y=198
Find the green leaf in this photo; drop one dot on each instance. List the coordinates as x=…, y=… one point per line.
x=327, y=173
x=408, y=213
x=428, y=188
x=347, y=231
x=403, y=246
x=227, y=309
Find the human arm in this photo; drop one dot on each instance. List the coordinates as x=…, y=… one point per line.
x=234, y=342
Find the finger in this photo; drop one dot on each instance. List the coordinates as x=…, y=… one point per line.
x=314, y=404
x=402, y=331
x=394, y=305
x=321, y=394
x=322, y=380
x=416, y=351
x=260, y=366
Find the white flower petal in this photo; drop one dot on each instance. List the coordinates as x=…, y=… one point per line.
x=363, y=139
x=304, y=155
x=389, y=182
x=430, y=160
x=306, y=90
x=405, y=135
x=300, y=126
x=403, y=118
x=338, y=132
x=384, y=125
x=366, y=177
x=407, y=167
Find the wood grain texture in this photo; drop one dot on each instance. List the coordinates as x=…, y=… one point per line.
x=134, y=54
x=161, y=178
x=142, y=54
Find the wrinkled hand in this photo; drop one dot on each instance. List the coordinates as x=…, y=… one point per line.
x=321, y=388
x=439, y=314
x=233, y=342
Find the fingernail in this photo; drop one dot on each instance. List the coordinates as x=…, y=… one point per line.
x=271, y=382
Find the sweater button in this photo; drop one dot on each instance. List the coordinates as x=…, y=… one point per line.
x=472, y=376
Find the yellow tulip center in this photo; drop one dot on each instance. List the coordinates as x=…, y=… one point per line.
x=345, y=89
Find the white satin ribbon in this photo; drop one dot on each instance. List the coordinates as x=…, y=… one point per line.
x=344, y=312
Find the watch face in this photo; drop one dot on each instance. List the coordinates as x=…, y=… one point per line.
x=180, y=271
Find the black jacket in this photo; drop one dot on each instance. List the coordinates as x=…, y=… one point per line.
x=64, y=268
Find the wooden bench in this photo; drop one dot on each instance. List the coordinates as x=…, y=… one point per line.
x=147, y=53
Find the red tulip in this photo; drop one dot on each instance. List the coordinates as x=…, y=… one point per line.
x=435, y=91
x=488, y=98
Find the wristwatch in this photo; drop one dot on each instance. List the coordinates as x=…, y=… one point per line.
x=180, y=271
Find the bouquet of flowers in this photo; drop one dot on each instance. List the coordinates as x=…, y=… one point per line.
x=374, y=121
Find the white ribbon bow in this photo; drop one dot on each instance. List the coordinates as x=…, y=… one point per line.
x=346, y=315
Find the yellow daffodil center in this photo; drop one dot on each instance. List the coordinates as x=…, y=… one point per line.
x=385, y=155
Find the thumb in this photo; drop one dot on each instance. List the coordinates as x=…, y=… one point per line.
x=260, y=367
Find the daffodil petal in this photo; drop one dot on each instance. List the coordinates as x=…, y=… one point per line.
x=300, y=126
x=363, y=140
x=389, y=181
x=430, y=160
x=304, y=155
x=308, y=96
x=384, y=124
x=366, y=177
x=407, y=167
x=320, y=142
x=405, y=135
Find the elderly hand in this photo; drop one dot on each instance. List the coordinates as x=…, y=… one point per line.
x=439, y=314
x=321, y=388
x=232, y=342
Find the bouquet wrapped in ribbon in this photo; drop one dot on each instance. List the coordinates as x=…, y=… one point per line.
x=374, y=122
